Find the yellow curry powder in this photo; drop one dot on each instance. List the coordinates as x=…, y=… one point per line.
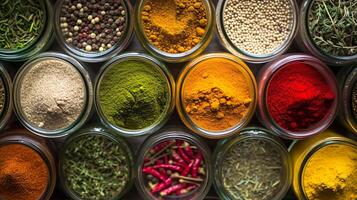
x=331, y=173
x=216, y=94
x=174, y=26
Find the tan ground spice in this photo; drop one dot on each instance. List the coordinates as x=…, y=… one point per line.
x=174, y=26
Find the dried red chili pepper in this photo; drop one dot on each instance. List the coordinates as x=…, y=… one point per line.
x=196, y=164
x=171, y=167
x=183, y=155
x=188, y=149
x=160, y=186
x=177, y=157
x=187, y=169
x=151, y=171
x=187, y=189
x=172, y=189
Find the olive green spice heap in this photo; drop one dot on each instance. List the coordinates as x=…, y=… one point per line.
x=96, y=168
x=133, y=94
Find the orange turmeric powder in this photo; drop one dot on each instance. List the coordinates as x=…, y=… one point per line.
x=174, y=26
x=216, y=94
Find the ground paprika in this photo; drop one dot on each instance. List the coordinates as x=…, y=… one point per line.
x=299, y=96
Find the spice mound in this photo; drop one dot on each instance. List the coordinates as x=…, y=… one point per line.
x=133, y=94
x=23, y=173
x=52, y=94
x=21, y=23
x=258, y=27
x=174, y=168
x=2, y=96
x=253, y=169
x=174, y=26
x=299, y=96
x=354, y=101
x=93, y=26
x=332, y=26
x=333, y=176
x=216, y=94
x=96, y=167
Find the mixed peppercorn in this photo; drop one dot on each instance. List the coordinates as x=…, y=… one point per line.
x=174, y=168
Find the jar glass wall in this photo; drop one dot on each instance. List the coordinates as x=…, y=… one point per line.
x=6, y=110
x=75, y=123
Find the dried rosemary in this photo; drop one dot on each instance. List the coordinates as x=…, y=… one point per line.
x=252, y=169
x=333, y=26
x=21, y=23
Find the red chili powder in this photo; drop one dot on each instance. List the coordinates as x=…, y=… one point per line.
x=299, y=96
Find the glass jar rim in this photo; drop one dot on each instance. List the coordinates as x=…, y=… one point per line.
x=245, y=55
x=170, y=84
x=267, y=74
x=178, y=57
x=7, y=110
x=88, y=99
x=98, y=56
x=180, y=103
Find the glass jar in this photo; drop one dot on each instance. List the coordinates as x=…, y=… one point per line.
x=251, y=133
x=180, y=101
x=347, y=79
x=95, y=131
x=43, y=41
x=88, y=98
x=6, y=113
x=246, y=56
x=306, y=43
x=165, y=73
x=167, y=135
x=179, y=57
x=44, y=148
x=264, y=78
x=302, y=151
x=98, y=56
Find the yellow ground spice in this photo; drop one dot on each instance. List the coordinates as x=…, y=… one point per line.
x=331, y=173
x=216, y=94
x=174, y=26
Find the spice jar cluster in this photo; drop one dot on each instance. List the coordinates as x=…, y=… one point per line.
x=92, y=104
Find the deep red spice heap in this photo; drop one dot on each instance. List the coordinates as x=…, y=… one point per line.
x=173, y=168
x=299, y=96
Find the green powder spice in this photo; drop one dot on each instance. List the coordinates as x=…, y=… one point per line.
x=133, y=94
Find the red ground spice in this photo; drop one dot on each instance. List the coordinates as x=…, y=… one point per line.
x=299, y=96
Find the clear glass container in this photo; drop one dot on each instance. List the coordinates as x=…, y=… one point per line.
x=302, y=151
x=170, y=86
x=38, y=45
x=88, y=98
x=7, y=112
x=251, y=133
x=45, y=148
x=94, y=57
x=264, y=77
x=347, y=79
x=166, y=135
x=180, y=101
x=306, y=43
x=179, y=57
x=246, y=56
x=90, y=131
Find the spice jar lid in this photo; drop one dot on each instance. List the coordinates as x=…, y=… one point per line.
x=248, y=166
x=96, y=162
x=53, y=95
x=183, y=33
x=171, y=152
x=216, y=95
x=5, y=96
x=93, y=32
x=134, y=94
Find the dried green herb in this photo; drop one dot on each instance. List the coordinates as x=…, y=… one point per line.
x=252, y=169
x=96, y=168
x=333, y=26
x=21, y=23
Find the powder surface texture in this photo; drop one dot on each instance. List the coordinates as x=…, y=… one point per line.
x=216, y=94
x=52, y=94
x=331, y=173
x=133, y=94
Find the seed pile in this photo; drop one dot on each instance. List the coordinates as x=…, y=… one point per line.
x=52, y=94
x=93, y=25
x=258, y=26
x=2, y=95
x=174, y=168
x=21, y=23
x=354, y=100
x=96, y=168
x=174, y=26
x=252, y=169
